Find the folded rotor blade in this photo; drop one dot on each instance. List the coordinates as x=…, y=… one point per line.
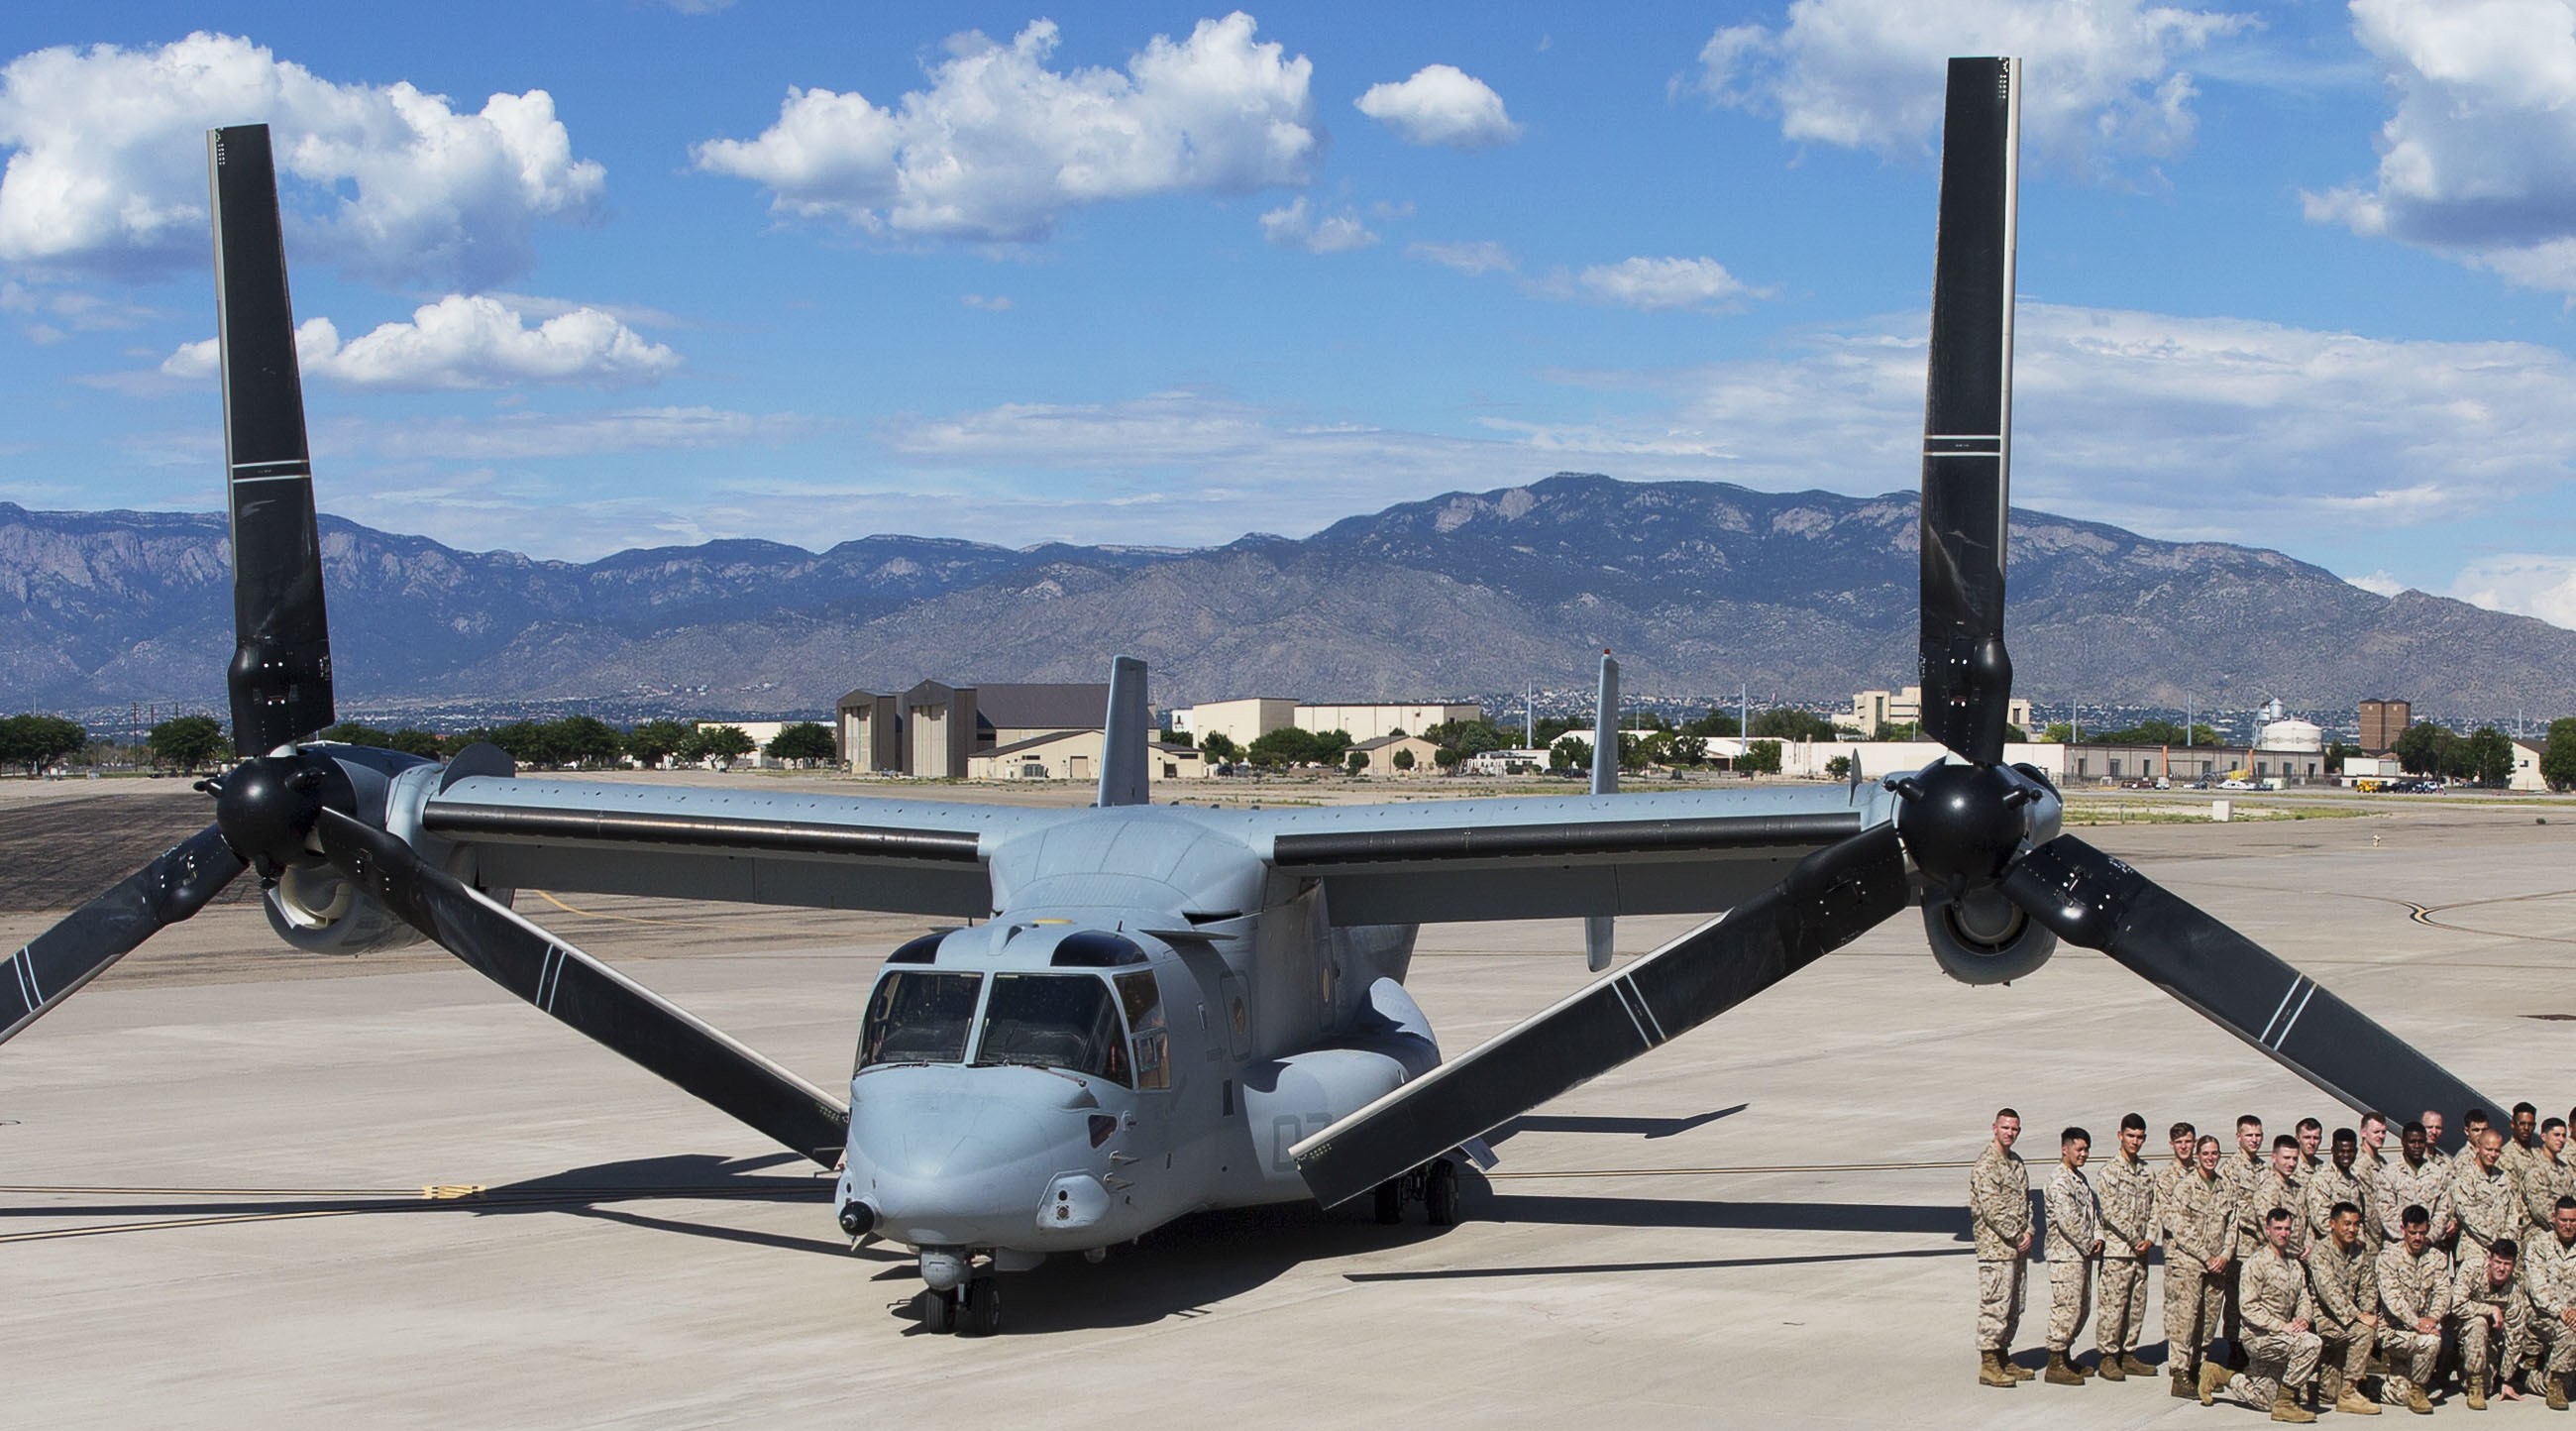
x=56, y=963
x=585, y=994
x=2091, y=899
x=1831, y=898
x=1967, y=415
x=1600, y=931
x=280, y=677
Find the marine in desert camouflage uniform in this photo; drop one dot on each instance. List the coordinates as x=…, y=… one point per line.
x=2240, y=1171
x=2279, y=1186
x=2414, y=1297
x=2418, y=1178
x=2281, y=1354
x=2343, y=1280
x=2484, y=1198
x=2548, y=1273
x=1999, y=1217
x=2487, y=1308
x=2199, y=1224
x=2547, y=1176
x=2074, y=1241
x=2378, y=1215
x=2128, y=1194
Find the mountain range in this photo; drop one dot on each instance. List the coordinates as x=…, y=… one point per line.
x=1698, y=586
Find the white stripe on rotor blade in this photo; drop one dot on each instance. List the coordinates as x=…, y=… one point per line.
x=2294, y=1016
x=239, y=478
x=1615, y=993
x=24, y=962
x=274, y=462
x=2286, y=996
x=550, y=977
x=1646, y=1009
x=1963, y=437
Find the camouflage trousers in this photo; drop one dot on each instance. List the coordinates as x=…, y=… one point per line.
x=2410, y=1355
x=2273, y=1360
x=2347, y=1348
x=2557, y=1346
x=2192, y=1296
x=2070, y=1299
x=2123, y=1312
x=1999, y=1289
x=2478, y=1338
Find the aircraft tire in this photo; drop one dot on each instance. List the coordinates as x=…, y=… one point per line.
x=936, y=1310
x=1440, y=1193
x=981, y=1312
x=1390, y=1202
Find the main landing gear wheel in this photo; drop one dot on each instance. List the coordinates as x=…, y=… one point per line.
x=1390, y=1202
x=1440, y=1193
x=979, y=1311
x=936, y=1310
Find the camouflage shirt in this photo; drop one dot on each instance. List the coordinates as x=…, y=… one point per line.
x=2378, y=1203
x=2547, y=1271
x=2411, y=1287
x=2240, y=1172
x=2169, y=1180
x=2544, y=1181
x=2343, y=1283
x=2274, y=1291
x=2426, y=1185
x=2486, y=1204
x=2074, y=1216
x=2469, y=1286
x=2332, y=1185
x=2268, y=1192
x=2199, y=1220
x=1999, y=1204
x=2128, y=1195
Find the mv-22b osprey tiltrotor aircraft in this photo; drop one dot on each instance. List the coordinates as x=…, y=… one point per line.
x=1160, y=1009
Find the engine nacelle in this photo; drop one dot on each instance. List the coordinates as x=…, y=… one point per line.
x=1983, y=938
x=313, y=909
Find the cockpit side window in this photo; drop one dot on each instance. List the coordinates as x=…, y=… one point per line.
x=1143, y=1001
x=917, y=1016
x=1065, y=1021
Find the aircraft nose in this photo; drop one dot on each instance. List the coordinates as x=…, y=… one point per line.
x=947, y=1140
x=961, y=1169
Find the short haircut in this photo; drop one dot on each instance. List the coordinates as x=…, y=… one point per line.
x=2278, y=1214
x=2553, y=1123
x=2002, y=1113
x=2339, y=1209
x=2521, y=1108
x=2247, y=1120
x=2506, y=1248
x=2474, y=1115
x=2346, y=1135
x=2181, y=1130
x=2411, y=1130
x=2074, y=1135
x=2415, y=1216
x=2566, y=1204
x=2285, y=1141
x=2133, y=1120
x=2375, y=1116
x=2306, y=1123
x=2207, y=1140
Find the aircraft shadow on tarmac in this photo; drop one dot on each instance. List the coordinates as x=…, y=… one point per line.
x=1642, y=1127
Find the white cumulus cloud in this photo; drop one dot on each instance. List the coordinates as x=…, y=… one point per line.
x=1296, y=227
x=2527, y=585
x=1471, y=258
x=1654, y=284
x=1441, y=104
x=461, y=343
x=2104, y=82
x=2479, y=160
x=388, y=183
x=999, y=147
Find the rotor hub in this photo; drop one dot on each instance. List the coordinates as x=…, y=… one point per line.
x=268, y=805
x=1963, y=824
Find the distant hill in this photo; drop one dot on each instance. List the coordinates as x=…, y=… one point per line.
x=1697, y=585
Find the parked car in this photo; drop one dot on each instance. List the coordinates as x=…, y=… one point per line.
x=2236, y=785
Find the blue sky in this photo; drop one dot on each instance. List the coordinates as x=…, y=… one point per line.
x=611, y=273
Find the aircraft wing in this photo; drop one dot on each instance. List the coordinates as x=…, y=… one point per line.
x=1682, y=852
x=755, y=847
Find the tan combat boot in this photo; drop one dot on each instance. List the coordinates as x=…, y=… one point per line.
x=2286, y=1407
x=2557, y=1390
x=2109, y=1369
x=2213, y=1380
x=2062, y=1372
x=2183, y=1382
x=2346, y=1395
x=2477, y=1387
x=2014, y=1369
x=2134, y=1366
x=2417, y=1401
x=1990, y=1370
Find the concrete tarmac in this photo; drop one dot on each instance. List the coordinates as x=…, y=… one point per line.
x=245, y=1186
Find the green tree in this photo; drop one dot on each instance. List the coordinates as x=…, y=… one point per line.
x=1689, y=750
x=1839, y=767
x=1762, y=757
x=1899, y=730
x=1570, y=752
x=412, y=741
x=1358, y=763
x=2558, y=757
x=188, y=742
x=2426, y=749
x=1719, y=721
x=1468, y=737
x=586, y=742
x=1790, y=723
x=1221, y=748
x=1550, y=727
x=2058, y=732
x=527, y=742
x=2486, y=757
x=349, y=732
x=1404, y=758
x=1181, y=738
x=1448, y=760
x=654, y=741
x=806, y=741
x=719, y=742
x=34, y=743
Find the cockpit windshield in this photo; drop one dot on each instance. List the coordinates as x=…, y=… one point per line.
x=1066, y=1021
x=917, y=1016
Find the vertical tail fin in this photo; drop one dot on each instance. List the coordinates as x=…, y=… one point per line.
x=1124, y=774
x=1598, y=928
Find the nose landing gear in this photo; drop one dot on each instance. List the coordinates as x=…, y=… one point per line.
x=972, y=1310
x=1434, y=1185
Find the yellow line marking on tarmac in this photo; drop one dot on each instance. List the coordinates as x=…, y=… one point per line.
x=593, y=913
